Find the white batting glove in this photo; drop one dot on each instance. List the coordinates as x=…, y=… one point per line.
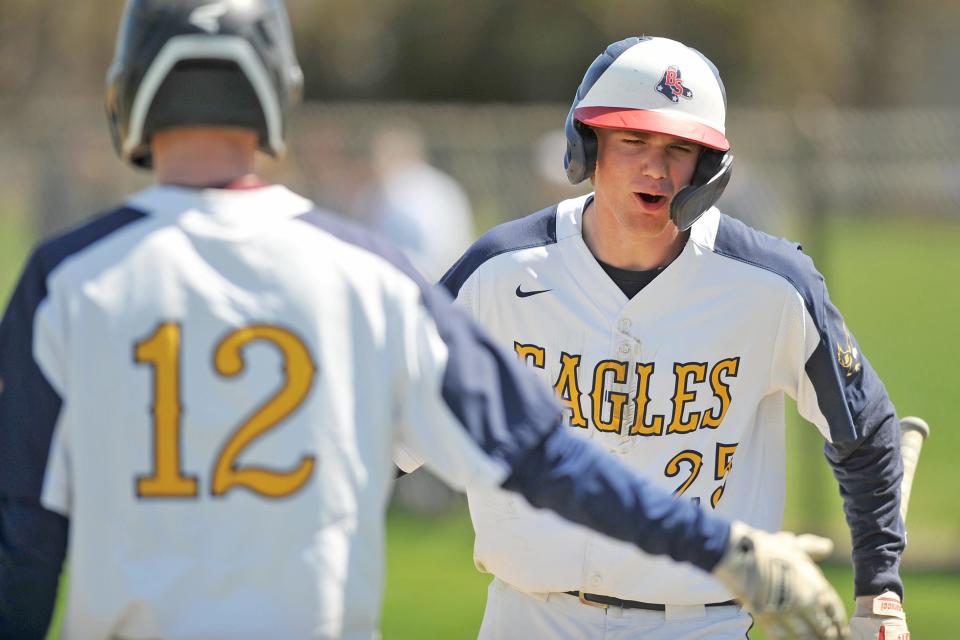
x=774, y=576
x=879, y=618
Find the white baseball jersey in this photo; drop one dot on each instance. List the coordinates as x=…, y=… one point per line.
x=685, y=381
x=211, y=385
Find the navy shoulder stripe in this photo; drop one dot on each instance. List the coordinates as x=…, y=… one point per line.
x=503, y=408
x=738, y=241
x=54, y=251
x=536, y=230
x=848, y=390
x=352, y=233
x=29, y=406
x=864, y=449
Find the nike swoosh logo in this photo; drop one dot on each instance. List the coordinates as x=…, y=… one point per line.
x=527, y=294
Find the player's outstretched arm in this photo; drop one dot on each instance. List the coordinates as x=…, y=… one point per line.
x=772, y=574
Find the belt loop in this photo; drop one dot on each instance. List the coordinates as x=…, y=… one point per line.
x=589, y=603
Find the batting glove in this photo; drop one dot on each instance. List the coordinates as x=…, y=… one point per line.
x=879, y=618
x=774, y=576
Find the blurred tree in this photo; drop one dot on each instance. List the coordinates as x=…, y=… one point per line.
x=771, y=52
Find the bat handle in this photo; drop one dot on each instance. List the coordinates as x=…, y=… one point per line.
x=913, y=431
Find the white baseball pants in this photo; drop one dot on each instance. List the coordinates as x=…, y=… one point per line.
x=512, y=614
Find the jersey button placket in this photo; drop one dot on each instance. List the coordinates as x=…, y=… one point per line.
x=629, y=352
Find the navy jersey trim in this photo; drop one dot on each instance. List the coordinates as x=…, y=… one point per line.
x=535, y=230
x=29, y=406
x=515, y=418
x=865, y=449
x=503, y=409
x=841, y=401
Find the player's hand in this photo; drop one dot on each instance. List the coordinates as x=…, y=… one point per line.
x=879, y=613
x=774, y=576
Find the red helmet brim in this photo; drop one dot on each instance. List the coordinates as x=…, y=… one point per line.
x=653, y=122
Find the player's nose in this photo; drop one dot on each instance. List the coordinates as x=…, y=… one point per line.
x=654, y=164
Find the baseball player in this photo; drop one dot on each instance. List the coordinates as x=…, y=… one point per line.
x=671, y=333
x=203, y=389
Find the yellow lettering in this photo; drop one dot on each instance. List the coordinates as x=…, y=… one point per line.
x=684, y=396
x=567, y=389
x=298, y=372
x=530, y=353
x=640, y=426
x=722, y=464
x=694, y=459
x=162, y=352
x=616, y=399
x=721, y=390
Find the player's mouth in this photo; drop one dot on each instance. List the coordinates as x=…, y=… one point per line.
x=650, y=201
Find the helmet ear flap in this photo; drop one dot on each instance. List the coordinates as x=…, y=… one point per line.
x=590, y=144
x=581, y=156
x=710, y=178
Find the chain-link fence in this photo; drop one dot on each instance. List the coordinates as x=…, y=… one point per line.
x=509, y=159
x=792, y=166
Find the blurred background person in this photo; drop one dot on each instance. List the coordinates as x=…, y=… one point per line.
x=427, y=213
x=415, y=204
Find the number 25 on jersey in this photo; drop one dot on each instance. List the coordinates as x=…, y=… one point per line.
x=162, y=352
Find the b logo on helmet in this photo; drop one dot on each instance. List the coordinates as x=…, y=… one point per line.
x=671, y=85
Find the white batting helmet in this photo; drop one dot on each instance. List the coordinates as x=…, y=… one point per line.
x=661, y=86
x=199, y=62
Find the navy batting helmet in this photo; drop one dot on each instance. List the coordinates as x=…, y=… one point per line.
x=201, y=62
x=661, y=86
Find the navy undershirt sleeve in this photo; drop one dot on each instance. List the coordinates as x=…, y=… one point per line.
x=589, y=486
x=864, y=447
x=869, y=472
x=516, y=419
x=864, y=454
x=32, y=539
x=32, y=548
x=501, y=406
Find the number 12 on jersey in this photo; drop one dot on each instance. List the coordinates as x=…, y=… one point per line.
x=162, y=352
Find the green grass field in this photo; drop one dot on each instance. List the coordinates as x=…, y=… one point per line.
x=433, y=590
x=895, y=281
